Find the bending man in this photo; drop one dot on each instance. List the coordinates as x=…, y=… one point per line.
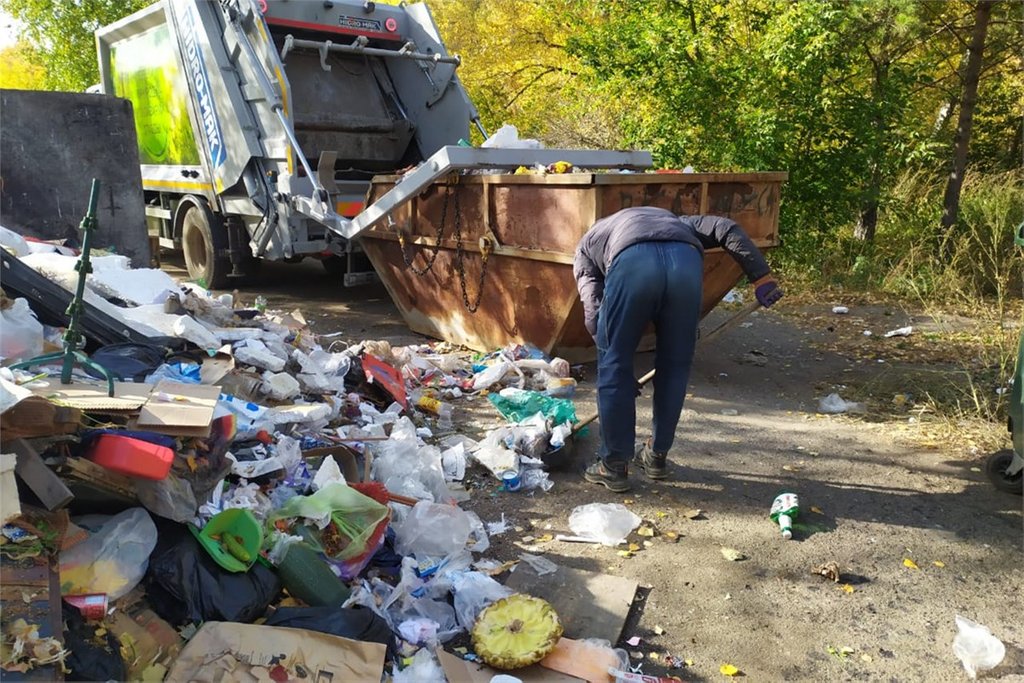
x=646, y=265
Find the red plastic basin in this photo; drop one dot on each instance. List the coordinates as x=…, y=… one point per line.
x=133, y=457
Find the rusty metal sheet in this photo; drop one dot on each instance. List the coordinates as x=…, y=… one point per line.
x=533, y=224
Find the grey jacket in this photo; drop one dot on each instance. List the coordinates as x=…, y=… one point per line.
x=612, y=234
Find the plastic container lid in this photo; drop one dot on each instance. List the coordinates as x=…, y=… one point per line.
x=239, y=523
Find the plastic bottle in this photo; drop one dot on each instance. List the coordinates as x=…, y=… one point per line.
x=434, y=406
x=784, y=510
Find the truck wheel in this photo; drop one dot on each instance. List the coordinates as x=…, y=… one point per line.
x=202, y=244
x=995, y=468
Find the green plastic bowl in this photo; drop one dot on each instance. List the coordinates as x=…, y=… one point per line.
x=238, y=523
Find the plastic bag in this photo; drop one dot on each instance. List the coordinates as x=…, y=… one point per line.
x=113, y=559
x=280, y=386
x=507, y=137
x=21, y=335
x=347, y=526
x=534, y=478
x=433, y=530
x=186, y=373
x=833, y=404
x=491, y=375
x=185, y=585
x=519, y=404
x=424, y=668
x=976, y=647
x=540, y=565
x=355, y=623
x=473, y=592
x=172, y=497
x=254, y=352
x=406, y=467
x=606, y=523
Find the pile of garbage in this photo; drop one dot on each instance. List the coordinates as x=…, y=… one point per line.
x=248, y=469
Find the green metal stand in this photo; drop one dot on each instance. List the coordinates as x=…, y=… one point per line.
x=73, y=338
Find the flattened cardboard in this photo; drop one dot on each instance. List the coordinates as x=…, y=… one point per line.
x=179, y=409
x=590, y=605
x=460, y=671
x=224, y=651
x=92, y=398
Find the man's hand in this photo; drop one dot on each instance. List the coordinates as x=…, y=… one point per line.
x=767, y=291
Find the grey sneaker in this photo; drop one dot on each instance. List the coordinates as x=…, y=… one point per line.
x=654, y=465
x=615, y=480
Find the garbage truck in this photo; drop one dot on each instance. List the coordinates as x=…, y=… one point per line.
x=262, y=122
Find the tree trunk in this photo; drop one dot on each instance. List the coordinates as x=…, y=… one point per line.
x=971, y=76
x=865, y=228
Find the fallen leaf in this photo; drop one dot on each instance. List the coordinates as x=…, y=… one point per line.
x=816, y=510
x=846, y=588
x=939, y=563
x=546, y=538
x=645, y=531
x=693, y=513
x=728, y=670
x=866, y=658
x=830, y=570
x=909, y=563
x=660, y=514
x=633, y=547
x=658, y=630
x=671, y=536
x=192, y=464
x=625, y=553
x=628, y=501
x=688, y=662
x=648, y=544
x=733, y=555
x=654, y=655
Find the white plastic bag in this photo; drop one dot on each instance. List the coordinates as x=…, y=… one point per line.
x=976, y=647
x=491, y=375
x=280, y=385
x=21, y=335
x=507, y=137
x=113, y=559
x=424, y=668
x=254, y=352
x=541, y=565
x=606, y=523
x=473, y=592
x=433, y=530
x=834, y=404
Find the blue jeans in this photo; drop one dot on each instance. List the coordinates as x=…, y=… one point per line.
x=649, y=282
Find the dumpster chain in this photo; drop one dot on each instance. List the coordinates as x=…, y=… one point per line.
x=460, y=262
x=437, y=242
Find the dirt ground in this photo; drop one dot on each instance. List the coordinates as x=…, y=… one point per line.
x=870, y=500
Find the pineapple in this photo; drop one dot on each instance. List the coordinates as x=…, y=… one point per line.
x=516, y=631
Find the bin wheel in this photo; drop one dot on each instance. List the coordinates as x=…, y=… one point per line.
x=335, y=266
x=995, y=468
x=204, y=245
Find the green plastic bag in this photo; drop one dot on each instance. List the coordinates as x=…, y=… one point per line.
x=355, y=530
x=516, y=405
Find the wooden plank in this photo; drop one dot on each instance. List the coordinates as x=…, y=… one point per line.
x=590, y=605
x=36, y=416
x=47, y=486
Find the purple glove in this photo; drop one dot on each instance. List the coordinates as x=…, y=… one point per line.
x=768, y=293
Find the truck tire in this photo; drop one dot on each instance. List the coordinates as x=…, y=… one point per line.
x=204, y=245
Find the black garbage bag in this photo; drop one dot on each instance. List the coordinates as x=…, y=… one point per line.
x=89, y=660
x=129, y=361
x=185, y=585
x=355, y=623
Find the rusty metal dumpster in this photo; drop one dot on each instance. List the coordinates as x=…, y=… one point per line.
x=485, y=260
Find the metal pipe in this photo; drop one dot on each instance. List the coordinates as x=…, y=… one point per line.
x=356, y=48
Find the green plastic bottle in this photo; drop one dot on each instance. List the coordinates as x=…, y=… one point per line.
x=784, y=510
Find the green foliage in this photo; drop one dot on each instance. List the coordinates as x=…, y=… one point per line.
x=61, y=35
x=18, y=71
